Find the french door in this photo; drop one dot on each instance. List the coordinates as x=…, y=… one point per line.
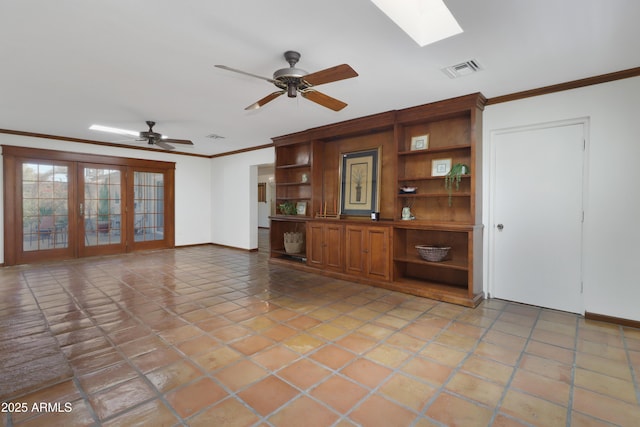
x=66, y=205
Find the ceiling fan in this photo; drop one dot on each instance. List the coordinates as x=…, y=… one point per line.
x=293, y=80
x=152, y=137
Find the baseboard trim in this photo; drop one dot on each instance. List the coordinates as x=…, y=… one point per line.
x=611, y=319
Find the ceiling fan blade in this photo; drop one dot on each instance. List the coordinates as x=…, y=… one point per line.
x=264, y=100
x=224, y=67
x=324, y=100
x=177, y=141
x=333, y=74
x=164, y=145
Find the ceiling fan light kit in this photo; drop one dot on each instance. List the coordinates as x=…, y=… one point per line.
x=292, y=80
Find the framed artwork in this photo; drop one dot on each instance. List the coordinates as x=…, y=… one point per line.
x=301, y=208
x=420, y=142
x=440, y=167
x=359, y=178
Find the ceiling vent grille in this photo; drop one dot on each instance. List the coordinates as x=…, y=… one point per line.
x=465, y=68
x=214, y=136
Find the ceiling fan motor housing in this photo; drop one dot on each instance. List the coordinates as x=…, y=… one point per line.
x=290, y=79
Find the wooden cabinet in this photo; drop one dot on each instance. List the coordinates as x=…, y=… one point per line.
x=367, y=251
x=412, y=143
x=325, y=245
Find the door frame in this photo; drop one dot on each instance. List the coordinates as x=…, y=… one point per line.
x=492, y=230
x=13, y=156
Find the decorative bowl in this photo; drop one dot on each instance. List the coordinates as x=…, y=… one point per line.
x=433, y=253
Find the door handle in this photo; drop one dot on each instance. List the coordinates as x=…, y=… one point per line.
x=500, y=227
x=81, y=209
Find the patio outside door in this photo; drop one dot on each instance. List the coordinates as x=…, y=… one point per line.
x=100, y=207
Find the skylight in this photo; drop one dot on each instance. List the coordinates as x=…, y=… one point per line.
x=114, y=130
x=425, y=21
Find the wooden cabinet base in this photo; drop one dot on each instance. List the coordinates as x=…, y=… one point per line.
x=435, y=291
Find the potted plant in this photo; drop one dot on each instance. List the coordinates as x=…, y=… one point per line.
x=288, y=208
x=454, y=177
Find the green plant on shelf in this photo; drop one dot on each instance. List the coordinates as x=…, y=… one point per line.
x=454, y=177
x=288, y=208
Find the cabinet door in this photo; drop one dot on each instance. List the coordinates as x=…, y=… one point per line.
x=354, y=249
x=315, y=242
x=332, y=236
x=377, y=253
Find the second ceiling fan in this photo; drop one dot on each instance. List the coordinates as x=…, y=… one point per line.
x=292, y=80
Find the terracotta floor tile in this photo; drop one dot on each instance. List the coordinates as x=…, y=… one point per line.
x=408, y=391
x=203, y=321
x=268, y=395
x=121, y=397
x=303, y=322
x=541, y=386
x=429, y=371
x=332, y=356
x=600, y=383
x=357, y=343
x=174, y=375
x=228, y=413
x=197, y=345
x=153, y=413
x=533, y=410
x=339, y=393
x=453, y=411
x=304, y=373
x=461, y=342
x=251, y=344
x=488, y=369
x=475, y=388
x=303, y=343
x=387, y=356
x=280, y=333
x=275, y=357
x=79, y=415
x=366, y=372
x=546, y=367
x=241, y=374
x=549, y=351
x=304, y=408
x=107, y=377
x=378, y=411
x=443, y=354
x=194, y=397
x=156, y=359
x=216, y=358
x=498, y=353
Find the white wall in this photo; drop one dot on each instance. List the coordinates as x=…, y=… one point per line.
x=234, y=219
x=612, y=205
x=192, y=184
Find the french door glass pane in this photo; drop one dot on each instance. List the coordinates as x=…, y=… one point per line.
x=149, y=206
x=102, y=206
x=45, y=210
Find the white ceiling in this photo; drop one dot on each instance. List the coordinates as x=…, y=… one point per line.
x=67, y=64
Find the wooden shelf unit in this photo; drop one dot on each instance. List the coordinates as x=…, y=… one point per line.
x=455, y=132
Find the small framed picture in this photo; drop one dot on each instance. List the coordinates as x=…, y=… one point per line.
x=301, y=208
x=420, y=142
x=440, y=167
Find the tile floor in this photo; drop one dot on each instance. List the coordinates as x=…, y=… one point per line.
x=210, y=336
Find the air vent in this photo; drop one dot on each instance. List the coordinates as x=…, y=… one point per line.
x=214, y=136
x=462, y=69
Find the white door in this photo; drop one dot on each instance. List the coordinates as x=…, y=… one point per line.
x=537, y=215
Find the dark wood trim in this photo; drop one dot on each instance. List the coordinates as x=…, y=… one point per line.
x=90, y=141
x=575, y=84
x=610, y=319
x=243, y=150
x=39, y=153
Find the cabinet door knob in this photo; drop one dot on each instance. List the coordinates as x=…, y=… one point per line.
x=500, y=227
